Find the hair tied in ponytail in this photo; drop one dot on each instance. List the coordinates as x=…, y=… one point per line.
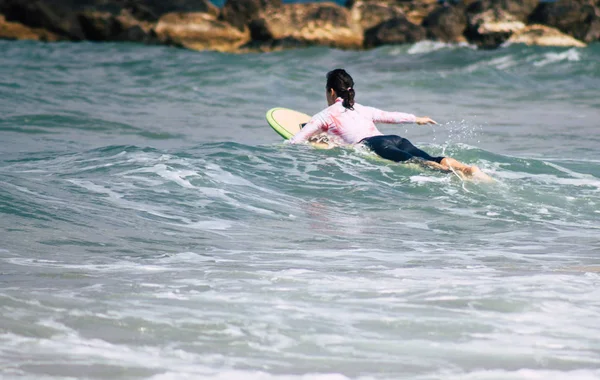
x=341, y=82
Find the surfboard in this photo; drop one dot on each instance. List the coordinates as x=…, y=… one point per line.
x=287, y=122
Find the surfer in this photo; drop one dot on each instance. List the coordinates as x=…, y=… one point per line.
x=349, y=123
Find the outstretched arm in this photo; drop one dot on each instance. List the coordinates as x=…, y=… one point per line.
x=380, y=116
x=316, y=125
x=425, y=120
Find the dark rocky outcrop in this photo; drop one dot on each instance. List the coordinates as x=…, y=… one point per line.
x=104, y=26
x=519, y=9
x=417, y=10
x=98, y=20
x=371, y=13
x=57, y=17
x=199, y=31
x=578, y=18
x=153, y=10
x=395, y=31
x=324, y=24
x=243, y=25
x=240, y=13
x=491, y=28
x=17, y=31
x=446, y=23
x=491, y=22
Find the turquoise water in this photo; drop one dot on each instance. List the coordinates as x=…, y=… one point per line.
x=153, y=226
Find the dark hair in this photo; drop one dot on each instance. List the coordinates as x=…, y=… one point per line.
x=341, y=82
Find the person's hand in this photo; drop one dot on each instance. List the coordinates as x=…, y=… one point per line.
x=424, y=120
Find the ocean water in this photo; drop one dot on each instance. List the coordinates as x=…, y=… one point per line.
x=152, y=225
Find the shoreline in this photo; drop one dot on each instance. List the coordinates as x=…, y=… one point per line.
x=246, y=26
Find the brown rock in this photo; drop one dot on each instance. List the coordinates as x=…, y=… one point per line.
x=395, y=31
x=578, y=18
x=98, y=26
x=240, y=13
x=492, y=27
x=56, y=17
x=447, y=24
x=104, y=26
x=414, y=10
x=306, y=24
x=285, y=43
x=519, y=9
x=153, y=10
x=417, y=10
x=496, y=21
x=17, y=31
x=98, y=20
x=541, y=35
x=491, y=22
x=372, y=13
x=199, y=31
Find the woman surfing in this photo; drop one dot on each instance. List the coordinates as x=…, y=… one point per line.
x=348, y=123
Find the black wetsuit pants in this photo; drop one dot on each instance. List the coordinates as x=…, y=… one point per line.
x=397, y=148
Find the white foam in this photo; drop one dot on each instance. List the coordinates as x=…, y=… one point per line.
x=175, y=175
x=522, y=374
x=250, y=375
x=117, y=266
x=428, y=46
x=587, y=179
x=571, y=55
x=207, y=225
x=500, y=63
x=578, y=180
x=174, y=295
x=72, y=348
x=184, y=257
x=423, y=179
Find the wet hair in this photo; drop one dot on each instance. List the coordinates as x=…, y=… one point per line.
x=341, y=82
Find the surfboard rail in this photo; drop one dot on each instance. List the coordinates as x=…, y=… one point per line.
x=287, y=122
x=280, y=129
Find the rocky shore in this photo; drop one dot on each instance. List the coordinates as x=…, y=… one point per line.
x=266, y=25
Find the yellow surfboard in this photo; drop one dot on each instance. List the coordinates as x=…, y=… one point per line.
x=287, y=122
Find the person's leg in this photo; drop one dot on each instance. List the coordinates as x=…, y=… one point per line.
x=445, y=163
x=457, y=165
x=470, y=171
x=399, y=149
x=407, y=146
x=386, y=147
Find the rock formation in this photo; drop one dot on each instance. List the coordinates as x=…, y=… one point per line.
x=541, y=35
x=578, y=18
x=199, y=31
x=394, y=31
x=305, y=24
x=17, y=31
x=447, y=24
x=372, y=13
x=262, y=25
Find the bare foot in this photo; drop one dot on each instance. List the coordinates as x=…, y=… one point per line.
x=463, y=171
x=476, y=174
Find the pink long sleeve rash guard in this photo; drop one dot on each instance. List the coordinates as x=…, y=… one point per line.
x=347, y=126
